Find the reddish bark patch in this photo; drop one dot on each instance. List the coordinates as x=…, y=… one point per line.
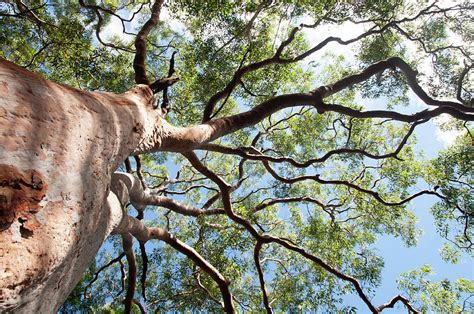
x=3, y=88
x=20, y=195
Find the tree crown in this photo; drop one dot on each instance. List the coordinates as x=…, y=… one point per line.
x=316, y=106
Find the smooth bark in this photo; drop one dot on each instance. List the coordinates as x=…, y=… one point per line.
x=58, y=149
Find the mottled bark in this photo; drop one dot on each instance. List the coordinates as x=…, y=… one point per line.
x=58, y=149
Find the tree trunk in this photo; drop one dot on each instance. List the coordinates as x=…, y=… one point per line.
x=58, y=149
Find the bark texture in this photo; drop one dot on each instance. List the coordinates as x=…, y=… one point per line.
x=58, y=149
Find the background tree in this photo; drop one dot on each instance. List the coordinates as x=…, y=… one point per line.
x=274, y=195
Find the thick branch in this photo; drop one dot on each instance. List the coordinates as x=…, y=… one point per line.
x=186, y=139
x=163, y=83
x=140, y=197
x=379, y=67
x=143, y=233
x=140, y=44
x=144, y=268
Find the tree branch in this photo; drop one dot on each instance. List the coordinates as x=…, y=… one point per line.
x=140, y=44
x=374, y=194
x=144, y=268
x=394, y=62
x=136, y=228
x=253, y=154
x=393, y=301
x=96, y=274
x=127, y=242
x=256, y=257
x=99, y=25
x=225, y=194
x=185, y=139
x=209, y=108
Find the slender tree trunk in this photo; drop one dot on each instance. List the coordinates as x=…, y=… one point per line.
x=58, y=149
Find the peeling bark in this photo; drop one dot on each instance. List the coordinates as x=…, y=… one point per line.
x=58, y=149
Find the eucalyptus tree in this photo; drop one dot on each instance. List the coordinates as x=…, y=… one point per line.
x=227, y=144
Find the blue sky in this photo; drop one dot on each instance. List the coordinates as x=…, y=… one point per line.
x=398, y=258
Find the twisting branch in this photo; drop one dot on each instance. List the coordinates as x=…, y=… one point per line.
x=256, y=257
x=386, y=114
x=165, y=103
x=98, y=8
x=144, y=268
x=209, y=108
x=394, y=62
x=98, y=29
x=394, y=300
x=287, y=200
x=374, y=194
x=376, y=29
x=225, y=194
x=228, y=95
x=253, y=154
x=139, y=67
x=463, y=74
x=96, y=274
x=136, y=228
x=185, y=139
x=327, y=267
x=127, y=242
x=432, y=51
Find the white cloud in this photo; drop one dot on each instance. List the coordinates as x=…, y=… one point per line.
x=174, y=24
x=115, y=29
x=446, y=137
x=345, y=31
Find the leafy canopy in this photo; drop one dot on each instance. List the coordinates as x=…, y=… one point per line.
x=329, y=182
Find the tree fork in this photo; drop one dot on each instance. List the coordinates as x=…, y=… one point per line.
x=53, y=226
